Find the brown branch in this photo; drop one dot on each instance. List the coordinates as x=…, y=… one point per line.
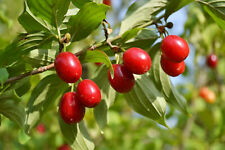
x=39, y=70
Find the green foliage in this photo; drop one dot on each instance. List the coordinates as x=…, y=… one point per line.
x=114, y=123
x=93, y=13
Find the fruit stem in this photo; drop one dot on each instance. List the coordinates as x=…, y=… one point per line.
x=81, y=79
x=64, y=47
x=72, y=87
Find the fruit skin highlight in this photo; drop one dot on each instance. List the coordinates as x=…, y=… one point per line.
x=212, y=61
x=174, y=48
x=71, y=110
x=68, y=67
x=208, y=95
x=137, y=60
x=88, y=93
x=123, y=80
x=172, y=68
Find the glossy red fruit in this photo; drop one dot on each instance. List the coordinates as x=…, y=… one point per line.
x=174, y=48
x=212, y=61
x=172, y=68
x=123, y=80
x=107, y=2
x=64, y=147
x=41, y=128
x=137, y=60
x=71, y=110
x=68, y=67
x=88, y=93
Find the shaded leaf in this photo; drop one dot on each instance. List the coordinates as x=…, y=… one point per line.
x=42, y=97
x=22, y=45
x=137, y=19
x=93, y=13
x=175, y=5
x=79, y=3
x=218, y=20
x=145, y=99
x=76, y=135
x=3, y=75
x=12, y=108
x=101, y=114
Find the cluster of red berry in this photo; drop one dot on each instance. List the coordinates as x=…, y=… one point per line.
x=135, y=61
x=174, y=51
x=72, y=105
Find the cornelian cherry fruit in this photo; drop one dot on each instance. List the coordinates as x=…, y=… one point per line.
x=71, y=110
x=136, y=60
x=68, y=67
x=107, y=2
x=212, y=61
x=88, y=93
x=41, y=128
x=174, y=48
x=123, y=80
x=208, y=95
x=172, y=68
x=64, y=147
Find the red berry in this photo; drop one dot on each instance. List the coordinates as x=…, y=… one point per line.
x=64, y=147
x=136, y=60
x=212, y=60
x=88, y=93
x=123, y=80
x=71, y=110
x=172, y=68
x=41, y=128
x=107, y=2
x=68, y=67
x=174, y=48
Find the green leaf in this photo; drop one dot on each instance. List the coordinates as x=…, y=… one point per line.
x=76, y=135
x=48, y=91
x=130, y=34
x=4, y=75
x=22, y=45
x=216, y=6
x=218, y=20
x=93, y=13
x=51, y=11
x=108, y=95
x=146, y=100
x=23, y=137
x=175, y=5
x=135, y=6
x=79, y=3
x=40, y=57
x=95, y=56
x=27, y=18
x=137, y=19
x=163, y=83
x=12, y=108
x=143, y=40
x=101, y=114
